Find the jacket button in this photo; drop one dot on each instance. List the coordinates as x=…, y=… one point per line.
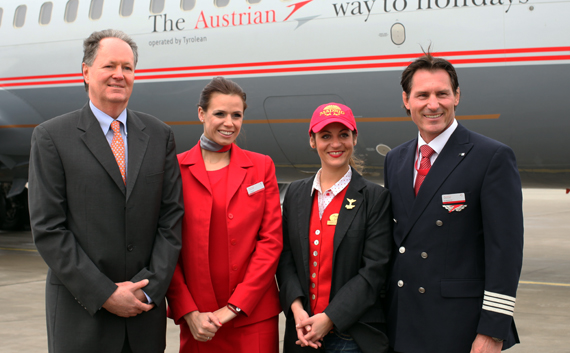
x=313, y=297
x=314, y=275
x=395, y=220
x=315, y=264
x=230, y=216
x=312, y=285
x=234, y=267
x=400, y=283
x=402, y=250
x=424, y=255
x=422, y=290
x=234, y=242
x=317, y=232
x=438, y=223
x=130, y=247
x=316, y=242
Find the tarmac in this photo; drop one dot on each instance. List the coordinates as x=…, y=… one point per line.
x=542, y=312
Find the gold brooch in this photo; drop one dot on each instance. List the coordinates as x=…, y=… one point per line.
x=350, y=206
x=332, y=219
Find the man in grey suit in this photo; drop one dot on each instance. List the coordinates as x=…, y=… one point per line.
x=105, y=207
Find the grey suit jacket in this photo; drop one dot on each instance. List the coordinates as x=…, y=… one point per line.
x=93, y=231
x=362, y=247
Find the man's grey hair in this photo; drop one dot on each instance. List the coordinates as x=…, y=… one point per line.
x=91, y=46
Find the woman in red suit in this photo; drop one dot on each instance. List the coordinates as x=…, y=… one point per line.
x=223, y=293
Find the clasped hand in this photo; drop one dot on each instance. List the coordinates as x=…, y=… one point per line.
x=204, y=326
x=311, y=330
x=128, y=299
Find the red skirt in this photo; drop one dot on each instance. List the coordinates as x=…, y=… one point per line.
x=261, y=337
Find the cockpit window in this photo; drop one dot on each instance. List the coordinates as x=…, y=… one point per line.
x=96, y=9
x=187, y=5
x=156, y=6
x=45, y=13
x=71, y=11
x=127, y=7
x=20, y=16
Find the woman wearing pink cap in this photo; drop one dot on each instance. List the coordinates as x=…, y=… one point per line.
x=337, y=243
x=223, y=292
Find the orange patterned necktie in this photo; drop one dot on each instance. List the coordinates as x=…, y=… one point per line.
x=425, y=165
x=118, y=147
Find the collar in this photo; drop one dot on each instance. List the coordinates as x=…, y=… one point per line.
x=337, y=187
x=105, y=120
x=438, y=143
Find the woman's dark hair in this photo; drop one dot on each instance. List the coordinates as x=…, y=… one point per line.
x=223, y=86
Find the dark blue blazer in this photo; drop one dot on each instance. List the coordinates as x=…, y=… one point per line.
x=454, y=274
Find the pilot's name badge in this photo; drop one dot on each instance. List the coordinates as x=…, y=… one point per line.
x=332, y=219
x=255, y=188
x=453, y=198
x=454, y=202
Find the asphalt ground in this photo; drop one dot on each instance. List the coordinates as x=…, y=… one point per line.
x=542, y=311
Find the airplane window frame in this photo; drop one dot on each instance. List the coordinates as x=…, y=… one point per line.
x=92, y=8
x=17, y=16
x=253, y=3
x=68, y=8
x=123, y=5
x=43, y=13
x=221, y=7
x=1, y=14
x=182, y=2
x=152, y=5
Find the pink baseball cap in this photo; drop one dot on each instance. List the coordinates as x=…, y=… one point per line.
x=332, y=113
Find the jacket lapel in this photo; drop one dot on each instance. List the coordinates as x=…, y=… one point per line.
x=138, y=142
x=406, y=173
x=345, y=215
x=304, y=203
x=239, y=163
x=452, y=154
x=97, y=143
x=195, y=163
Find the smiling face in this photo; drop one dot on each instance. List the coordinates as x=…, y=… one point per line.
x=111, y=76
x=431, y=102
x=335, y=145
x=223, y=119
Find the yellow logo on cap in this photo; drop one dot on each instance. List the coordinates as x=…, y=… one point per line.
x=332, y=110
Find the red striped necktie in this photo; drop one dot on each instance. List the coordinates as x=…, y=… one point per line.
x=425, y=165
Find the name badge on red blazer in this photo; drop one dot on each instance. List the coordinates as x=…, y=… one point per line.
x=255, y=188
x=454, y=202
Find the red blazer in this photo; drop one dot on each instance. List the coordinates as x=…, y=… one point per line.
x=254, y=232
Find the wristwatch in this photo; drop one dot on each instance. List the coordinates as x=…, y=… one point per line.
x=498, y=340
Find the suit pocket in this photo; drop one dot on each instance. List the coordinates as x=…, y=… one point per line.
x=154, y=178
x=462, y=288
